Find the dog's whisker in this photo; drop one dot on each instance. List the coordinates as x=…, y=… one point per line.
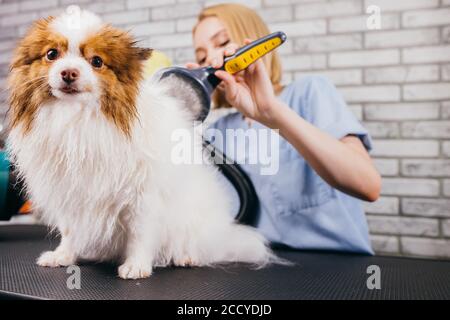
x=25, y=83
x=35, y=79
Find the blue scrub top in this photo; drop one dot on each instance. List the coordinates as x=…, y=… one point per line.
x=297, y=207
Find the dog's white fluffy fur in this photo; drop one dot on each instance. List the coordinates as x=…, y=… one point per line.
x=123, y=199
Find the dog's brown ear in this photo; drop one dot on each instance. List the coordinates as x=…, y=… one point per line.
x=29, y=46
x=20, y=58
x=144, y=53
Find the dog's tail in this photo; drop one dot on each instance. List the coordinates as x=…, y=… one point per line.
x=239, y=243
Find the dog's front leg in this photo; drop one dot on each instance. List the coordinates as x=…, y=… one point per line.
x=143, y=240
x=63, y=255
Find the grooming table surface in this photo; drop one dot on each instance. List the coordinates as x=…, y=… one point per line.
x=315, y=275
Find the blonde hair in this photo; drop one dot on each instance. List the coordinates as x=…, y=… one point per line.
x=242, y=22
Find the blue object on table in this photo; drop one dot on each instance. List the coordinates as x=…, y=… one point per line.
x=11, y=195
x=4, y=178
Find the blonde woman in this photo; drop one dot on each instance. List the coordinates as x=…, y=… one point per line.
x=312, y=202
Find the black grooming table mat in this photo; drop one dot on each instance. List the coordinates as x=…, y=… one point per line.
x=316, y=275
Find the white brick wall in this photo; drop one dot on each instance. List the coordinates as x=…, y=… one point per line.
x=384, y=206
x=426, y=207
x=396, y=80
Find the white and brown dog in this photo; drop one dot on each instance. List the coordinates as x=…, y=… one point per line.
x=92, y=141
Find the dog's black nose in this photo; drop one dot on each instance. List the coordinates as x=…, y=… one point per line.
x=70, y=75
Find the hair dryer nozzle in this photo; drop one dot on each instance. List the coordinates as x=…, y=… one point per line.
x=193, y=86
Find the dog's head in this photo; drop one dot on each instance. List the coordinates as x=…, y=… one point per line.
x=80, y=59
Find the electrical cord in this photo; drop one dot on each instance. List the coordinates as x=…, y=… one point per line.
x=249, y=202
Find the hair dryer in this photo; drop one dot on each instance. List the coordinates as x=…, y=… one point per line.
x=195, y=86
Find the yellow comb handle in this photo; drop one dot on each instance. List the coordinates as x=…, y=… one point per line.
x=243, y=60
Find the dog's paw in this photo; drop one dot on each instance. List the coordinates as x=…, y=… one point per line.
x=55, y=259
x=134, y=271
x=186, y=262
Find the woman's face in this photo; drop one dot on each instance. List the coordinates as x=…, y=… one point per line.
x=210, y=39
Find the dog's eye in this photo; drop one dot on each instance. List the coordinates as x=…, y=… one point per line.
x=97, y=62
x=52, y=54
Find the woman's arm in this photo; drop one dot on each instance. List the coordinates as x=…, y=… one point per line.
x=344, y=164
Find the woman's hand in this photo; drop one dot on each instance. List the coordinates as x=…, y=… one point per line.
x=250, y=91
